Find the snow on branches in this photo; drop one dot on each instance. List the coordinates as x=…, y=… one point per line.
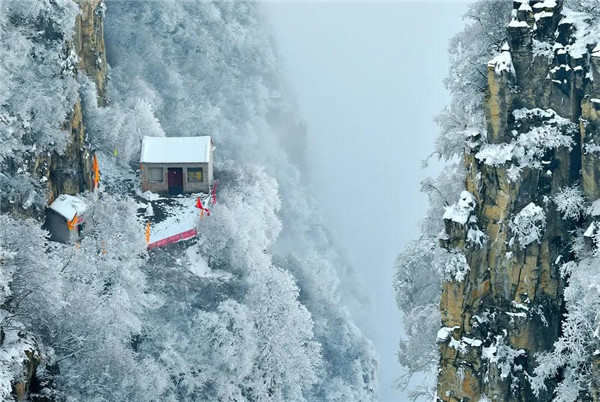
x=37, y=95
x=578, y=347
x=456, y=267
x=544, y=130
x=529, y=224
x=462, y=123
x=503, y=356
x=570, y=202
x=462, y=215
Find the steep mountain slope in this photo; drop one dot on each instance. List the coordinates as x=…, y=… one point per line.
x=240, y=98
x=107, y=320
x=44, y=147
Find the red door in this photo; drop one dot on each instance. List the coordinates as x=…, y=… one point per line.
x=175, y=177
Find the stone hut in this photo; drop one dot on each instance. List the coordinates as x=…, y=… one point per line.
x=65, y=218
x=177, y=165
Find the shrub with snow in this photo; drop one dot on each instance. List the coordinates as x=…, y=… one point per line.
x=461, y=211
x=456, y=267
x=503, y=356
x=475, y=237
x=543, y=130
x=570, y=202
x=529, y=224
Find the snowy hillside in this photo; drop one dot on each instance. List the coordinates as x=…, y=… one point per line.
x=249, y=309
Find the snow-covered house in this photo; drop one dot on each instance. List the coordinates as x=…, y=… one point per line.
x=65, y=218
x=176, y=165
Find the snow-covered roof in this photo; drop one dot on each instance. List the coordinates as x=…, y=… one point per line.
x=68, y=206
x=176, y=149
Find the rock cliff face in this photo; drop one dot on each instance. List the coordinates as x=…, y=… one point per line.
x=71, y=173
x=88, y=43
x=30, y=360
x=542, y=116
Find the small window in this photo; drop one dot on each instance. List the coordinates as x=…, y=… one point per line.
x=155, y=174
x=194, y=174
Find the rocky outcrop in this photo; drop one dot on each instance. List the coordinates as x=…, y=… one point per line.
x=88, y=43
x=542, y=116
x=30, y=364
x=45, y=175
x=71, y=173
x=19, y=359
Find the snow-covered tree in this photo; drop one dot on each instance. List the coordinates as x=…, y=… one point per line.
x=419, y=271
x=265, y=211
x=418, y=285
x=86, y=303
x=256, y=324
x=570, y=202
x=350, y=361
x=20, y=250
x=576, y=352
x=38, y=91
x=288, y=359
x=238, y=237
x=36, y=75
x=118, y=128
x=529, y=224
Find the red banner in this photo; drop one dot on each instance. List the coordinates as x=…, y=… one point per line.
x=201, y=207
x=173, y=239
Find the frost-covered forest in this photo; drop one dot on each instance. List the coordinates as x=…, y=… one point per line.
x=107, y=320
x=491, y=356
x=500, y=293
